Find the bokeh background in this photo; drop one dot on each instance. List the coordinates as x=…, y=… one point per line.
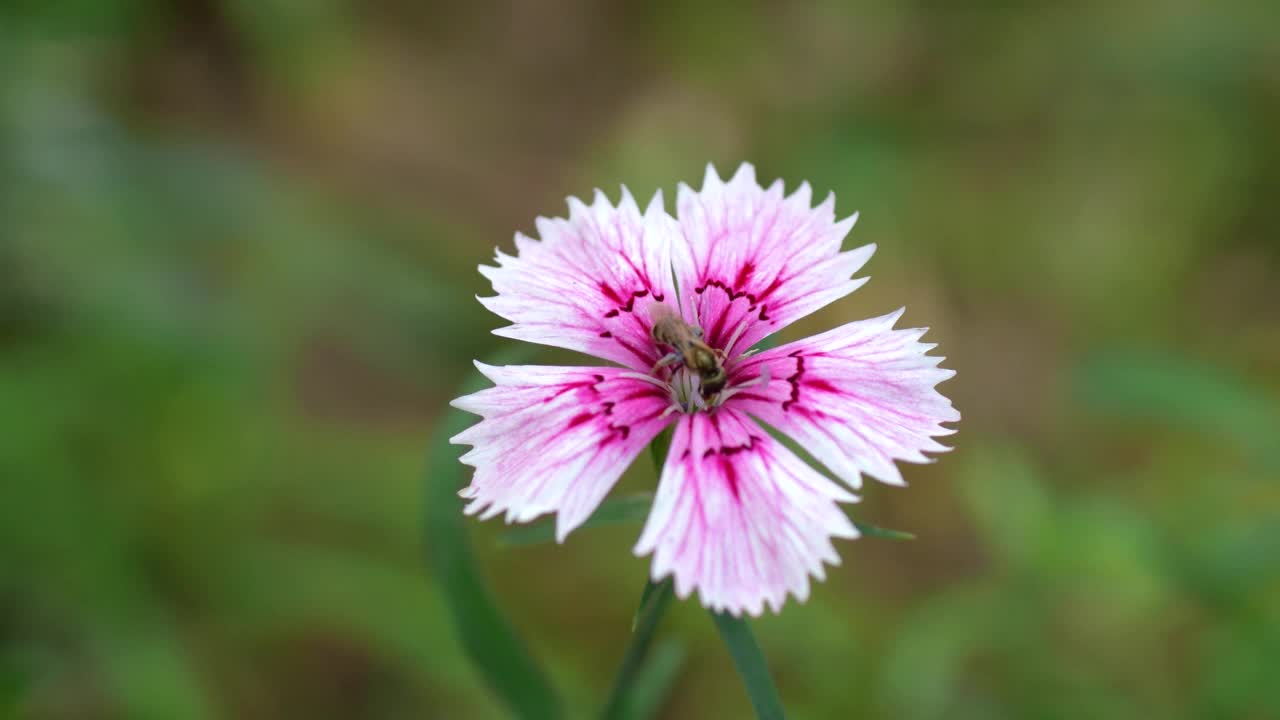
x=238, y=242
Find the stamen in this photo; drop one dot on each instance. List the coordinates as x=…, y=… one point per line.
x=686, y=390
x=646, y=378
x=737, y=332
x=762, y=379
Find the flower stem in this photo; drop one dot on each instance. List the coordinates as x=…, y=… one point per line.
x=653, y=603
x=751, y=665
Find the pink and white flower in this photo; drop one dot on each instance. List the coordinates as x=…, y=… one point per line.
x=737, y=515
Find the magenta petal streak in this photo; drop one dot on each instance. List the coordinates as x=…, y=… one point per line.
x=555, y=439
x=755, y=260
x=588, y=283
x=739, y=517
x=857, y=397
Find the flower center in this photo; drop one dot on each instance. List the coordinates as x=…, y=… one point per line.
x=696, y=369
x=686, y=391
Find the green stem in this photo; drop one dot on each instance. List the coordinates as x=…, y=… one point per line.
x=653, y=603
x=751, y=665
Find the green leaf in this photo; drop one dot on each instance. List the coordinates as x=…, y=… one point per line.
x=12, y=684
x=653, y=603
x=151, y=672
x=879, y=532
x=658, y=449
x=1165, y=388
x=751, y=665
x=769, y=342
x=1008, y=497
x=629, y=508
x=486, y=634
x=922, y=670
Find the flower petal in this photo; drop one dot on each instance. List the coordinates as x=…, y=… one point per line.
x=756, y=261
x=857, y=397
x=588, y=283
x=739, y=517
x=556, y=439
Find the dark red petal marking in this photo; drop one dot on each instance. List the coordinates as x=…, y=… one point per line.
x=642, y=393
x=646, y=353
x=617, y=300
x=723, y=455
x=596, y=380
x=733, y=294
x=820, y=384
x=732, y=449
x=777, y=283
x=610, y=293
x=728, y=290
x=735, y=449
x=617, y=431
x=794, y=380
x=649, y=353
x=730, y=474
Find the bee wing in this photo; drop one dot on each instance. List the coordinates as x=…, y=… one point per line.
x=658, y=312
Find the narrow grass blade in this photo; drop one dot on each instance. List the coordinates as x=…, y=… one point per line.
x=751, y=665
x=866, y=529
x=486, y=634
x=878, y=532
x=615, y=511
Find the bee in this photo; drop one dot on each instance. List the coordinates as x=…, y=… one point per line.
x=689, y=349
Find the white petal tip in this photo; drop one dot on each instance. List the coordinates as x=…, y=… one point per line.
x=489, y=371
x=711, y=179
x=656, y=204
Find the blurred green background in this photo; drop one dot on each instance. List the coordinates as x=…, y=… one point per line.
x=237, y=252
